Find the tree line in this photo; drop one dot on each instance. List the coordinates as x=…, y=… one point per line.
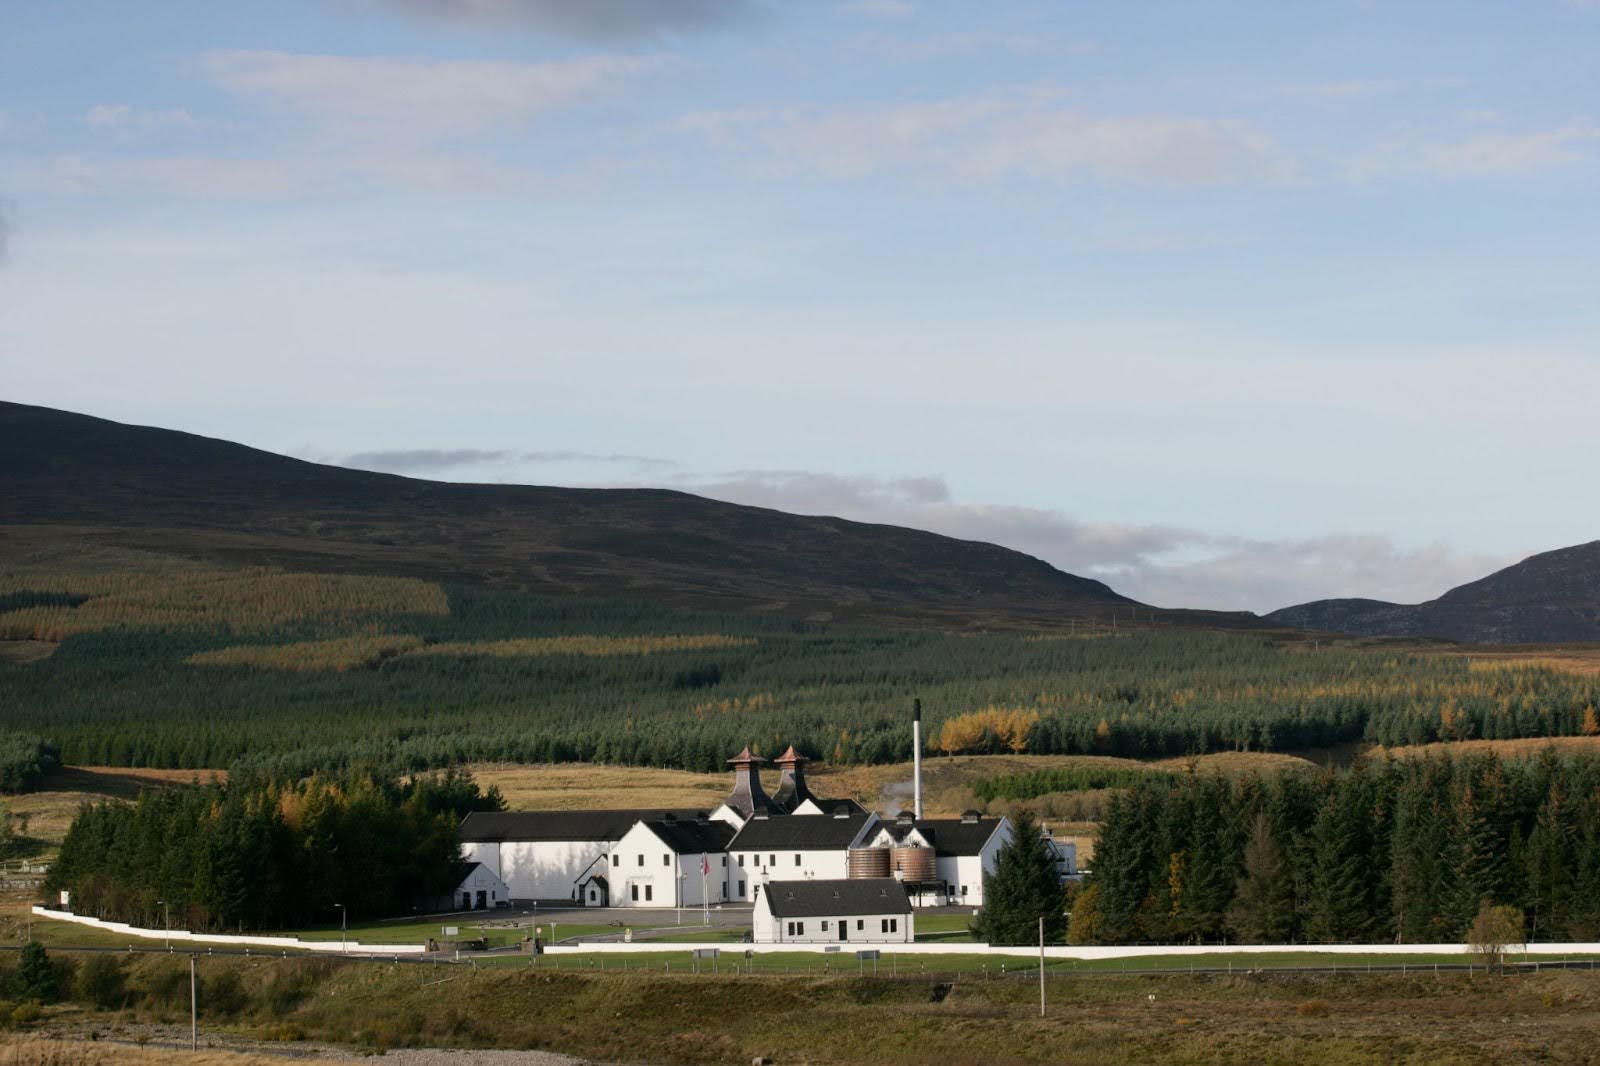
x=258, y=853
x=1398, y=850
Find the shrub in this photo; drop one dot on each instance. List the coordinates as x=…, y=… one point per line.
x=35, y=977
x=1311, y=1008
x=1495, y=929
x=101, y=982
x=224, y=994
x=167, y=988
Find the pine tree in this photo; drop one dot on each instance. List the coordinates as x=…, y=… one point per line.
x=1262, y=911
x=35, y=977
x=1023, y=888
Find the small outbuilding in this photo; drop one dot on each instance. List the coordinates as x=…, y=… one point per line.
x=865, y=910
x=478, y=888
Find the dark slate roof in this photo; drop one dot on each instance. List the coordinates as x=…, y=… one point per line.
x=460, y=871
x=824, y=899
x=491, y=826
x=798, y=832
x=692, y=837
x=949, y=836
x=829, y=806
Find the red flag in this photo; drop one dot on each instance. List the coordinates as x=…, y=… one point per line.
x=705, y=865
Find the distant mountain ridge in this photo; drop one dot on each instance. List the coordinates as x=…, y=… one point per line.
x=1552, y=597
x=71, y=475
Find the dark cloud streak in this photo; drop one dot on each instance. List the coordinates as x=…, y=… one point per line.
x=590, y=20
x=438, y=460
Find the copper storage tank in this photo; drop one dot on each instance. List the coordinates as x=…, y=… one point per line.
x=914, y=864
x=867, y=862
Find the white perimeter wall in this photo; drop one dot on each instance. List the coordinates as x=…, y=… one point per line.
x=181, y=936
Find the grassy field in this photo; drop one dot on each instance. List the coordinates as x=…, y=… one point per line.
x=844, y=1016
x=44, y=815
x=946, y=780
x=947, y=784
x=1524, y=748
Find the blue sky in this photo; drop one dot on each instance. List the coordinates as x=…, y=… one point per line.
x=1231, y=305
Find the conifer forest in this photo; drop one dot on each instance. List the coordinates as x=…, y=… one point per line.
x=297, y=673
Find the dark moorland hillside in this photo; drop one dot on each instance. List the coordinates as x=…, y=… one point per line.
x=1548, y=598
x=65, y=475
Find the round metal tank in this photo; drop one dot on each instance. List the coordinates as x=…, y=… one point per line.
x=867, y=862
x=913, y=863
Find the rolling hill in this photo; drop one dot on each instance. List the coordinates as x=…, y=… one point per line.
x=1552, y=597
x=71, y=478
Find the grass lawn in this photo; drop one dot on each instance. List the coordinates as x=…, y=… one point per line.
x=950, y=927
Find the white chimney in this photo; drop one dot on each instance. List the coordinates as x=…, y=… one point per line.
x=916, y=758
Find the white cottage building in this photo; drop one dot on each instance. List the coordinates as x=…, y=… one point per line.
x=836, y=911
x=474, y=888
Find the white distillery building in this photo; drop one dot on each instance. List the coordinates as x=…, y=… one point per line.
x=800, y=847
x=556, y=855
x=835, y=911
x=667, y=858
x=963, y=850
x=670, y=862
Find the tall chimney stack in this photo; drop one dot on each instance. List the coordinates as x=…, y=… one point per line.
x=916, y=758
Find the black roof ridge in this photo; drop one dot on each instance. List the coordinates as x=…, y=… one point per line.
x=830, y=896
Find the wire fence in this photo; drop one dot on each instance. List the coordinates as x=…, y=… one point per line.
x=887, y=966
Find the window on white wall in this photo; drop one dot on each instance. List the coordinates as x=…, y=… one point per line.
x=666, y=860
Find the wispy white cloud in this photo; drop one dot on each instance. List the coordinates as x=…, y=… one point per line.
x=1515, y=153
x=416, y=100
x=910, y=48
x=1343, y=90
x=1484, y=154
x=125, y=118
x=296, y=172
x=597, y=20
x=1170, y=566
x=879, y=9
x=1029, y=134
x=7, y=226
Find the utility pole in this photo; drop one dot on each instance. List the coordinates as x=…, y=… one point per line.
x=194, y=1008
x=1041, y=966
x=166, y=921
